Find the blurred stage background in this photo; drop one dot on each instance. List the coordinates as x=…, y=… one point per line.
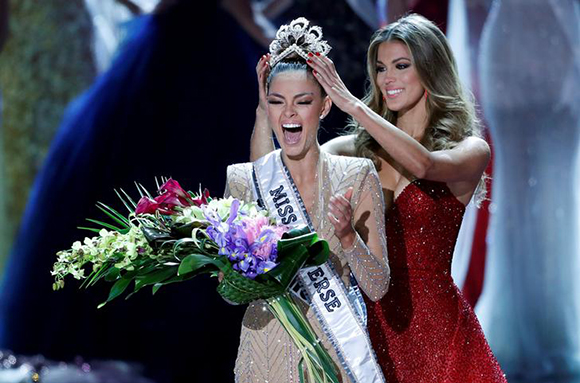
x=96, y=94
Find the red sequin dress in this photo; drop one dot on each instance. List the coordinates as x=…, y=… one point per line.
x=423, y=330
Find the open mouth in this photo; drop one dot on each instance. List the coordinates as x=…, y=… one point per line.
x=292, y=133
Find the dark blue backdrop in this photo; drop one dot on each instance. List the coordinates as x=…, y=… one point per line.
x=178, y=101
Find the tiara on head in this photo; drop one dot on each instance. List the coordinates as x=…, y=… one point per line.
x=299, y=38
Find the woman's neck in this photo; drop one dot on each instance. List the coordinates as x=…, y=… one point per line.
x=414, y=121
x=304, y=169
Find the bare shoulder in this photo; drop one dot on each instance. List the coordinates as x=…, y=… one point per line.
x=342, y=145
x=478, y=146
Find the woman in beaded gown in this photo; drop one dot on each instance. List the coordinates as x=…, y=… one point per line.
x=421, y=132
x=331, y=191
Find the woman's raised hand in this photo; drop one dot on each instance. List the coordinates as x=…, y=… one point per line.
x=263, y=70
x=340, y=215
x=325, y=72
x=261, y=143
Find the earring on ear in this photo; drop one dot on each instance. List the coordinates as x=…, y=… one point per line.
x=322, y=116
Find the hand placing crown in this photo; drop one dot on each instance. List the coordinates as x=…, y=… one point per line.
x=300, y=38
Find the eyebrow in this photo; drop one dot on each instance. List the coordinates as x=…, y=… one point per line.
x=395, y=60
x=297, y=96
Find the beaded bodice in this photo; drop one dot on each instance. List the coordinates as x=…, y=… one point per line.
x=422, y=227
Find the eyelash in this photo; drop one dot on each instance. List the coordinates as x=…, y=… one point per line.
x=398, y=66
x=273, y=102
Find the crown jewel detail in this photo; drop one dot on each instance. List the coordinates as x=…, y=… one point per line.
x=297, y=37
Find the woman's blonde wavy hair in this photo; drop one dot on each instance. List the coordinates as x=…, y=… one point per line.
x=450, y=108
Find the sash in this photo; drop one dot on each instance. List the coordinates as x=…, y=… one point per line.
x=275, y=190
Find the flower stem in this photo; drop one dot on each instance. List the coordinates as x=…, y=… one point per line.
x=319, y=364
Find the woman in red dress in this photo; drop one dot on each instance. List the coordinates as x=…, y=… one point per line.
x=420, y=129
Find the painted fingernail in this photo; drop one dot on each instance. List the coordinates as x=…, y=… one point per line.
x=309, y=61
x=314, y=71
x=309, y=54
x=317, y=53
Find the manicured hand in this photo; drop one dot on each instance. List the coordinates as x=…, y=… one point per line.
x=325, y=72
x=340, y=214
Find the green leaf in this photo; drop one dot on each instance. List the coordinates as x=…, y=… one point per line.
x=124, y=202
x=290, y=314
x=112, y=275
x=156, y=238
x=114, y=215
x=295, y=317
x=193, y=262
x=154, y=277
x=117, y=289
x=129, y=199
x=96, y=275
x=297, y=248
x=207, y=269
x=104, y=224
x=319, y=252
x=156, y=288
x=297, y=232
x=142, y=190
x=286, y=270
x=237, y=288
x=185, y=230
x=301, y=370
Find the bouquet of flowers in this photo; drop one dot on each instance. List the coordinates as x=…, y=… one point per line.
x=178, y=235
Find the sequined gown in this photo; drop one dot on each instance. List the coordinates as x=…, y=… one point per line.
x=266, y=353
x=423, y=330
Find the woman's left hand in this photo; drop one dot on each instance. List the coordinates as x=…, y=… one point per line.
x=340, y=215
x=325, y=72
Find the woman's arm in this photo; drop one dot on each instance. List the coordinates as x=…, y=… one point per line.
x=465, y=162
x=261, y=142
x=341, y=146
x=361, y=231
